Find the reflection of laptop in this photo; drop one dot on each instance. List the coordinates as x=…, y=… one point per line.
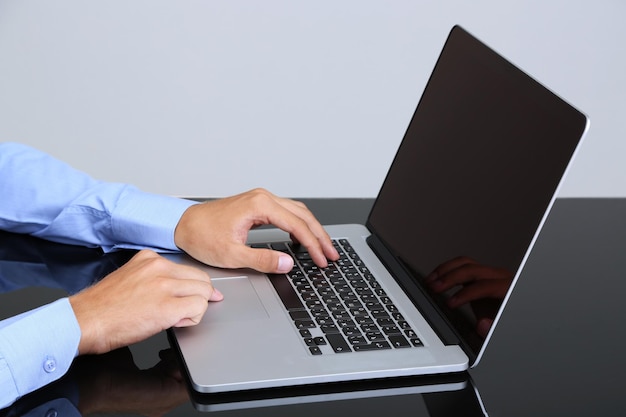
x=475, y=175
x=432, y=395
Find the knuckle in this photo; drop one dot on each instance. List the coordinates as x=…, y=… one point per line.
x=300, y=204
x=264, y=259
x=162, y=284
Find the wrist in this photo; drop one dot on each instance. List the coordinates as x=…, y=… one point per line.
x=90, y=342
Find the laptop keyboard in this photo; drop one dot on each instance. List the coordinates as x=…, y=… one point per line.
x=341, y=308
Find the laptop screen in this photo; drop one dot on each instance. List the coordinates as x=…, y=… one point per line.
x=471, y=182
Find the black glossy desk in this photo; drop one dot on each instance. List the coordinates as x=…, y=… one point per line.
x=558, y=349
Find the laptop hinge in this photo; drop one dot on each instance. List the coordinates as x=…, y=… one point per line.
x=418, y=296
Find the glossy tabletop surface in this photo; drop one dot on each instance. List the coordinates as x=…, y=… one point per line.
x=558, y=349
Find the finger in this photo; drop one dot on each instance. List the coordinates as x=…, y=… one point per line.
x=301, y=210
x=297, y=227
x=263, y=260
x=193, y=276
x=194, y=287
x=188, y=311
x=294, y=217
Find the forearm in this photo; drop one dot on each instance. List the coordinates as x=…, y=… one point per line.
x=47, y=198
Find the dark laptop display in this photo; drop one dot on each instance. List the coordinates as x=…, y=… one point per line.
x=476, y=171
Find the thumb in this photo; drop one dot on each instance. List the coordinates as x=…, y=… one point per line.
x=266, y=260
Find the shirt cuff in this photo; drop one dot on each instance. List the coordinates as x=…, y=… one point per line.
x=145, y=220
x=38, y=348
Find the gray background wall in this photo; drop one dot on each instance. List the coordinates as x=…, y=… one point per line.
x=210, y=98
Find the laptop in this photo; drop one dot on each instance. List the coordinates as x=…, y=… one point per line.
x=467, y=194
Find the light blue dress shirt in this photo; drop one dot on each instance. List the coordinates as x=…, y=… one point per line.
x=44, y=197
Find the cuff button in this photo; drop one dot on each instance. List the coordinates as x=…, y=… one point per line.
x=50, y=364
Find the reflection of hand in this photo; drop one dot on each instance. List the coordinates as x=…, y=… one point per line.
x=215, y=232
x=112, y=383
x=478, y=284
x=145, y=296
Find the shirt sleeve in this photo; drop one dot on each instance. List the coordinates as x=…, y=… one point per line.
x=47, y=198
x=36, y=348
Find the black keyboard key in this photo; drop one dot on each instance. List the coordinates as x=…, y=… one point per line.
x=315, y=350
x=320, y=314
x=320, y=341
x=346, y=323
x=390, y=330
x=329, y=328
x=322, y=321
x=410, y=334
x=299, y=315
x=303, y=256
x=364, y=321
x=372, y=346
x=351, y=331
x=369, y=327
x=392, y=308
x=309, y=296
x=416, y=342
x=315, y=303
x=404, y=325
x=305, y=324
x=380, y=314
x=385, y=322
x=279, y=246
x=357, y=340
x=375, y=336
x=398, y=341
x=304, y=288
x=338, y=343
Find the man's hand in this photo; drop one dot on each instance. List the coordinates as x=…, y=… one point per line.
x=215, y=232
x=145, y=296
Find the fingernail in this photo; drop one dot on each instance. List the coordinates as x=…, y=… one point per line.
x=217, y=294
x=285, y=263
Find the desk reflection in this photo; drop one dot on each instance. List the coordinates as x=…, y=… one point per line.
x=109, y=384
x=27, y=262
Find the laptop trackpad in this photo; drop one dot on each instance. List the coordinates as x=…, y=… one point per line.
x=241, y=302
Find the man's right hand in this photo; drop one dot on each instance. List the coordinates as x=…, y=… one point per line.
x=144, y=297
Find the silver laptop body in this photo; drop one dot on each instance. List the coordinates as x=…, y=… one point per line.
x=475, y=175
